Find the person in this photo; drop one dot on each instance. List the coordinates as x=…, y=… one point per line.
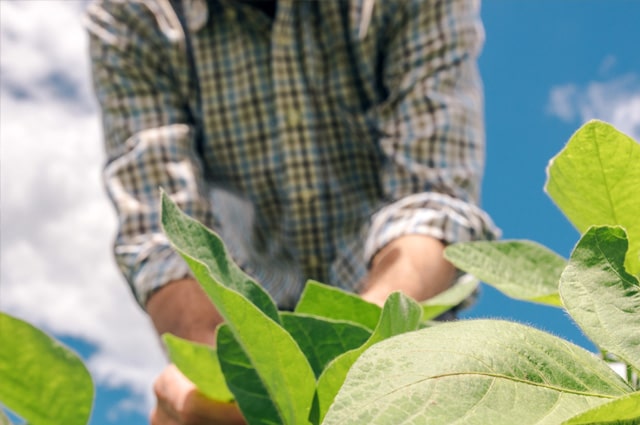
x=339, y=140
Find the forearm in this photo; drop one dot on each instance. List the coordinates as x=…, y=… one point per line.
x=182, y=308
x=432, y=138
x=411, y=264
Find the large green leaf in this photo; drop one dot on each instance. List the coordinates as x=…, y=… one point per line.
x=400, y=314
x=322, y=340
x=250, y=314
x=473, y=372
x=41, y=380
x=450, y=298
x=594, y=180
x=199, y=363
x=333, y=303
x=601, y=296
x=521, y=269
x=624, y=410
x=257, y=407
x=200, y=243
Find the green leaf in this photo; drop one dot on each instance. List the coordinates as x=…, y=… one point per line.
x=252, y=396
x=322, y=340
x=200, y=243
x=40, y=379
x=473, y=372
x=594, y=180
x=199, y=363
x=624, y=410
x=400, y=314
x=520, y=269
x=601, y=296
x=326, y=301
x=250, y=314
x=450, y=298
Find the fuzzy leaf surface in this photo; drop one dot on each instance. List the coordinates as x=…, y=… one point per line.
x=594, y=180
x=250, y=315
x=624, y=410
x=521, y=269
x=196, y=241
x=253, y=398
x=199, y=363
x=400, y=314
x=473, y=372
x=334, y=303
x=41, y=380
x=601, y=296
x=322, y=340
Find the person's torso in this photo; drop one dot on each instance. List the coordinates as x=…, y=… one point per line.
x=287, y=111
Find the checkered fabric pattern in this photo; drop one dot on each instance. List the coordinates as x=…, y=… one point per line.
x=308, y=142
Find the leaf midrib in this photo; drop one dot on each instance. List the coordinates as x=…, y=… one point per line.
x=500, y=376
x=604, y=178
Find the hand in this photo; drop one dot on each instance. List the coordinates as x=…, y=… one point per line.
x=180, y=403
x=412, y=264
x=183, y=309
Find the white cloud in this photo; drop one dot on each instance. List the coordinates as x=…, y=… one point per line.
x=562, y=102
x=57, y=225
x=608, y=64
x=616, y=101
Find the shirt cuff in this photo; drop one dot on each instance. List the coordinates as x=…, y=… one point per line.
x=431, y=214
x=160, y=267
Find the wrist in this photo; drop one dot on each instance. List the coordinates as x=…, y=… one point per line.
x=412, y=264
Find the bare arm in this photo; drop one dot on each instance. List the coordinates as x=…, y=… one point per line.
x=183, y=309
x=412, y=264
x=432, y=137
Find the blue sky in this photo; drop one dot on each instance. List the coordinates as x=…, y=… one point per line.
x=548, y=66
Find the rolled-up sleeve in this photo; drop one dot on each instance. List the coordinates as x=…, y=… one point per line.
x=432, y=127
x=149, y=141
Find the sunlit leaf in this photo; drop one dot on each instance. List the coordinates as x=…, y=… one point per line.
x=199, y=363
x=473, y=372
x=251, y=316
x=400, y=314
x=624, y=410
x=41, y=380
x=520, y=269
x=201, y=244
x=595, y=180
x=334, y=303
x=601, y=296
x=254, y=400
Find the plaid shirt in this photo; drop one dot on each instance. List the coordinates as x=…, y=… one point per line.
x=308, y=142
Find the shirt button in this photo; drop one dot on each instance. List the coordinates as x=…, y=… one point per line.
x=293, y=117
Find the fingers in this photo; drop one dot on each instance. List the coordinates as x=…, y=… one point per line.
x=172, y=389
x=180, y=403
